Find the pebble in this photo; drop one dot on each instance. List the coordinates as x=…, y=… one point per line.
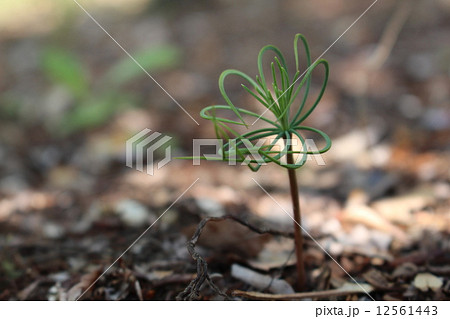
x=93, y=214
x=133, y=213
x=410, y=106
x=380, y=239
x=334, y=248
x=359, y=236
x=331, y=226
x=436, y=119
x=425, y=281
x=53, y=231
x=420, y=66
x=210, y=207
x=13, y=184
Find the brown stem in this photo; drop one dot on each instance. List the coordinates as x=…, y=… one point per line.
x=298, y=236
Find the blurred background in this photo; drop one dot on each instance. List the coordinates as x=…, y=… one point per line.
x=70, y=98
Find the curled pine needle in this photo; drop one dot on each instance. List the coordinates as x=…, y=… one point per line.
x=279, y=100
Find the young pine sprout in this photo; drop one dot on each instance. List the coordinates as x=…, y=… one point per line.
x=289, y=113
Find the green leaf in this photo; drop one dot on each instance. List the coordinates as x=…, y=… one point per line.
x=92, y=113
x=62, y=67
x=9, y=269
x=152, y=59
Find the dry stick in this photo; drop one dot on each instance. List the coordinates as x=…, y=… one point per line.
x=379, y=57
x=192, y=291
x=301, y=277
x=297, y=296
x=390, y=35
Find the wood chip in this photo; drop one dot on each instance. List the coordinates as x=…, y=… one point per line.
x=24, y=293
x=425, y=281
x=378, y=280
x=86, y=280
x=405, y=271
x=260, y=281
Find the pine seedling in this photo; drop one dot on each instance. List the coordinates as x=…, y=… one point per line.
x=285, y=104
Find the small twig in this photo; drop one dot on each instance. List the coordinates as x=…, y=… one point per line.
x=137, y=288
x=390, y=34
x=379, y=57
x=26, y=292
x=173, y=279
x=259, y=230
x=192, y=291
x=297, y=296
x=322, y=281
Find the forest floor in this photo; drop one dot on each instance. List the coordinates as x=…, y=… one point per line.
x=376, y=216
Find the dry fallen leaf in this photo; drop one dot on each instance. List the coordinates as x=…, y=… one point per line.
x=228, y=235
x=274, y=254
x=86, y=280
x=377, y=279
x=369, y=217
x=25, y=293
x=399, y=209
x=356, y=288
